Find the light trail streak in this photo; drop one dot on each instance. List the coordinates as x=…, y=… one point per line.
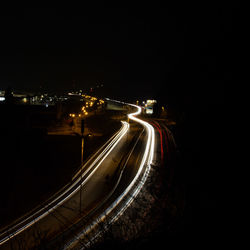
x=146, y=161
x=81, y=180
x=69, y=192
x=157, y=126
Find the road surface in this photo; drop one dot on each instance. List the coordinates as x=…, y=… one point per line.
x=106, y=184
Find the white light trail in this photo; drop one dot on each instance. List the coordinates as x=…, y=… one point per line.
x=78, y=181
x=59, y=200
x=146, y=161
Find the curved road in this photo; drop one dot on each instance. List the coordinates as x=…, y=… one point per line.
x=107, y=183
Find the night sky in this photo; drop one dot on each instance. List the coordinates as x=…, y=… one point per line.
x=181, y=56
x=178, y=54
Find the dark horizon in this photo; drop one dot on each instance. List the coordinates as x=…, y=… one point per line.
x=162, y=53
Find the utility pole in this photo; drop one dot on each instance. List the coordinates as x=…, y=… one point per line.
x=82, y=132
x=82, y=146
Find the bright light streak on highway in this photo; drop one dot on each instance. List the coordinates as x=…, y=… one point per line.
x=69, y=192
x=89, y=169
x=146, y=161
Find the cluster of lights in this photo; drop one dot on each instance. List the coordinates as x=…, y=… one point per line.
x=89, y=104
x=84, y=110
x=101, y=102
x=89, y=97
x=77, y=115
x=149, y=103
x=90, y=100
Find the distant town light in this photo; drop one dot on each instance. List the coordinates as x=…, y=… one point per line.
x=2, y=98
x=149, y=102
x=149, y=106
x=149, y=110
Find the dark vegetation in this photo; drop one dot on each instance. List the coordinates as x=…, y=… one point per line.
x=199, y=136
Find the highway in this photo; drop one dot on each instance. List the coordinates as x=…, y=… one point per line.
x=101, y=190
x=166, y=150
